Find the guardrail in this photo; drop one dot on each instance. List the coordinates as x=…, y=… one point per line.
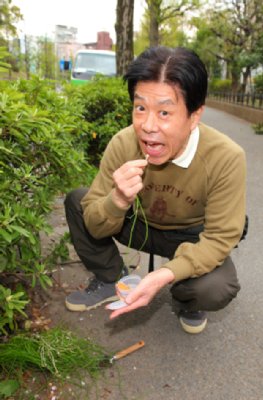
x=253, y=100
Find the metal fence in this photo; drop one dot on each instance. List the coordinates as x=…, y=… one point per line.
x=254, y=100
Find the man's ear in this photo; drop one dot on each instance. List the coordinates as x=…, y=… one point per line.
x=196, y=116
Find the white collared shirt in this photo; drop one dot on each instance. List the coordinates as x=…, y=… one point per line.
x=184, y=160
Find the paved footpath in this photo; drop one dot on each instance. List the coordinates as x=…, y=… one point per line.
x=225, y=362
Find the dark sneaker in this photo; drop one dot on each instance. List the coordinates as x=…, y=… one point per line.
x=94, y=295
x=193, y=322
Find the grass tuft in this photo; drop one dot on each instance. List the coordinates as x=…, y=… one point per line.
x=57, y=351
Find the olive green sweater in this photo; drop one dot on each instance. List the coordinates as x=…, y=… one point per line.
x=211, y=191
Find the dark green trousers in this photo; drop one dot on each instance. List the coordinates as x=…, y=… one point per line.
x=209, y=292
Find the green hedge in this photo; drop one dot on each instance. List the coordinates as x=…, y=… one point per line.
x=258, y=80
x=51, y=141
x=41, y=156
x=107, y=109
x=220, y=85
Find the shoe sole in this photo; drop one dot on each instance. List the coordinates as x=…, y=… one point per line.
x=193, y=329
x=83, y=307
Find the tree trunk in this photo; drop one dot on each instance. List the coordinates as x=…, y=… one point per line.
x=235, y=77
x=124, y=35
x=235, y=81
x=154, y=14
x=246, y=75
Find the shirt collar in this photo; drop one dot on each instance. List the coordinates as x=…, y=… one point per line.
x=185, y=159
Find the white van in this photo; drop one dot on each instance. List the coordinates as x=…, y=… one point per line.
x=88, y=63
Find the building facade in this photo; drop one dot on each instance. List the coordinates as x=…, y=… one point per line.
x=67, y=45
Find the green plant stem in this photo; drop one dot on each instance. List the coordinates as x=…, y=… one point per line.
x=138, y=207
x=145, y=221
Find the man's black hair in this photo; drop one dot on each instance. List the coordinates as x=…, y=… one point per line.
x=178, y=66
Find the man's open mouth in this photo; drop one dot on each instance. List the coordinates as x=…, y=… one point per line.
x=153, y=148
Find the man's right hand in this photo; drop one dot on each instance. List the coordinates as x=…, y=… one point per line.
x=128, y=182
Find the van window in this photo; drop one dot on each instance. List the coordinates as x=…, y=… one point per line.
x=100, y=63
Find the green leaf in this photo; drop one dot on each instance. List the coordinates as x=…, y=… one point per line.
x=33, y=280
x=4, y=149
x=7, y=237
x=8, y=387
x=45, y=281
x=21, y=230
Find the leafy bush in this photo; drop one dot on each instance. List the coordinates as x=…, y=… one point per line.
x=4, y=66
x=106, y=108
x=258, y=80
x=220, y=85
x=11, y=304
x=41, y=157
x=51, y=141
x=258, y=129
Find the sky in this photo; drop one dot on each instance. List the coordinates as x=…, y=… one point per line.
x=88, y=16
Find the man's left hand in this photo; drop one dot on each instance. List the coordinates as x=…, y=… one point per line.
x=142, y=295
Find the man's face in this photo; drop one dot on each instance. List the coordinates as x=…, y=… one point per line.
x=161, y=121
